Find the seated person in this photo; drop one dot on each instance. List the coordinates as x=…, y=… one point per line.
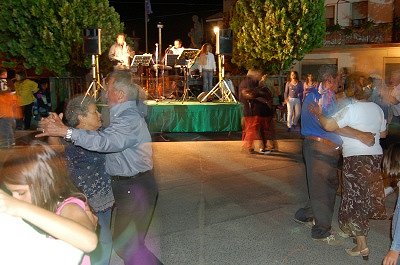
x=229, y=83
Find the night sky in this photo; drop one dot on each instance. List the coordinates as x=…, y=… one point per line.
x=176, y=16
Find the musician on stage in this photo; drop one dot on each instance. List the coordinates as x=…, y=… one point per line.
x=120, y=53
x=177, y=48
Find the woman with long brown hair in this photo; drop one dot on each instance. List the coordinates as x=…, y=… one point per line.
x=293, y=96
x=44, y=196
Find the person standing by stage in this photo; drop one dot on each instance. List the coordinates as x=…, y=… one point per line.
x=127, y=144
x=207, y=66
x=120, y=52
x=25, y=90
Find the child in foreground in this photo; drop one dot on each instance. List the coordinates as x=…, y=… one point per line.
x=44, y=196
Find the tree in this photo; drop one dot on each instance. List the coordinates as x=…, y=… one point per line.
x=270, y=35
x=49, y=33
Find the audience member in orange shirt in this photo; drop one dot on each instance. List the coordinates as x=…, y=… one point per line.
x=9, y=111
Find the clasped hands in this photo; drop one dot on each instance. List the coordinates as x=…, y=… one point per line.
x=366, y=138
x=52, y=126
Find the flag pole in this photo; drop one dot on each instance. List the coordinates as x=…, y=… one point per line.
x=145, y=24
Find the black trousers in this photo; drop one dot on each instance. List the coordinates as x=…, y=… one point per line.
x=26, y=121
x=135, y=200
x=322, y=181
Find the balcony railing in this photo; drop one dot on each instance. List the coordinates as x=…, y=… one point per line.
x=366, y=33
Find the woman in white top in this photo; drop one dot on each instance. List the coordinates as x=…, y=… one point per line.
x=293, y=96
x=207, y=66
x=363, y=192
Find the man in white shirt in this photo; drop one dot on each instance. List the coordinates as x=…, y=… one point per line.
x=177, y=49
x=229, y=83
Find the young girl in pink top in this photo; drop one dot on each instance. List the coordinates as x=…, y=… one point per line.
x=44, y=196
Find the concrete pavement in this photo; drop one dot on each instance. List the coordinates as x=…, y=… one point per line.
x=219, y=205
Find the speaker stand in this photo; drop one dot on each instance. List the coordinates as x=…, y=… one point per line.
x=222, y=86
x=95, y=86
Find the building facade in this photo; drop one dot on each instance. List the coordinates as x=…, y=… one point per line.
x=361, y=36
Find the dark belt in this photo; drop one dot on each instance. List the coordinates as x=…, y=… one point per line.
x=324, y=141
x=118, y=178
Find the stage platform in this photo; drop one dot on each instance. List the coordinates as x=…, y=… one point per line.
x=193, y=116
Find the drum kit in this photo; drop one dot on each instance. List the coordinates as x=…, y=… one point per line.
x=170, y=79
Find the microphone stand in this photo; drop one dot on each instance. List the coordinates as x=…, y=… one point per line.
x=164, y=61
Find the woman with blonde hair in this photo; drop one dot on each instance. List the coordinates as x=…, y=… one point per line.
x=207, y=66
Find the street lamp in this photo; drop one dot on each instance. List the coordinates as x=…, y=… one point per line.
x=216, y=31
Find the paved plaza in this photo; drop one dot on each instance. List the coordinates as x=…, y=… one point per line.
x=220, y=205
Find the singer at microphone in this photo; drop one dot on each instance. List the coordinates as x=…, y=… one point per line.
x=167, y=50
x=177, y=48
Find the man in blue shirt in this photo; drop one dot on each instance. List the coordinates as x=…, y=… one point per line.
x=321, y=152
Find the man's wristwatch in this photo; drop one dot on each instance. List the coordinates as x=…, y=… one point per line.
x=68, y=135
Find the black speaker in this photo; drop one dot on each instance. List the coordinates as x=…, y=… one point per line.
x=92, y=41
x=225, y=42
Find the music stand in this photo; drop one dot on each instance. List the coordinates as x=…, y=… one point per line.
x=183, y=59
x=171, y=59
x=143, y=59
